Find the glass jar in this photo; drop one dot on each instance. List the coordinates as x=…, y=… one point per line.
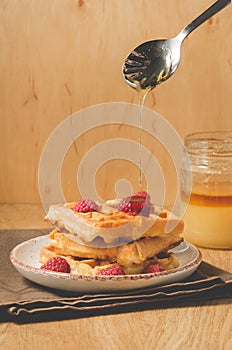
x=206, y=189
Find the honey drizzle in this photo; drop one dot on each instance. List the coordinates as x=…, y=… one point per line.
x=141, y=96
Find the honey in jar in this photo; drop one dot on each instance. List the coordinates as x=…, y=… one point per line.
x=206, y=189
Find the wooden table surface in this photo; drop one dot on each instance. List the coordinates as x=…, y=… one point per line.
x=206, y=325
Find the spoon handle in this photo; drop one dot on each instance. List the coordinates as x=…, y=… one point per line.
x=212, y=10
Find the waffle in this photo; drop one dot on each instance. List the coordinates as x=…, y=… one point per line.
x=98, y=239
x=113, y=227
x=93, y=266
x=127, y=255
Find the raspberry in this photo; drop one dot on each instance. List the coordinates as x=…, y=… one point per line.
x=135, y=205
x=144, y=195
x=113, y=270
x=85, y=206
x=153, y=268
x=57, y=264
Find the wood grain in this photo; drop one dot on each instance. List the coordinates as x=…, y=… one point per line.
x=58, y=57
x=24, y=216
x=160, y=329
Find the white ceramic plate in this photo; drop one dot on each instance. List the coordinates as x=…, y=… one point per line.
x=25, y=258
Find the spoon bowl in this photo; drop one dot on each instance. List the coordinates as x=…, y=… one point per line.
x=151, y=63
x=155, y=61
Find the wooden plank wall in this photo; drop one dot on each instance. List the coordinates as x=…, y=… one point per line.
x=60, y=56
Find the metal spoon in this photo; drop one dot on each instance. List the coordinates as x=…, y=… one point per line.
x=155, y=61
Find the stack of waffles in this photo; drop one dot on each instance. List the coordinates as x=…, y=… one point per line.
x=127, y=236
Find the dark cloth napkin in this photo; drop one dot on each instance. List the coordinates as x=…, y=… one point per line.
x=24, y=301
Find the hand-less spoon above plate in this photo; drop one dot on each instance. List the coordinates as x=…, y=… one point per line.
x=155, y=61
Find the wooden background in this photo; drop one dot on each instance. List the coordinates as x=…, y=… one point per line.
x=60, y=56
